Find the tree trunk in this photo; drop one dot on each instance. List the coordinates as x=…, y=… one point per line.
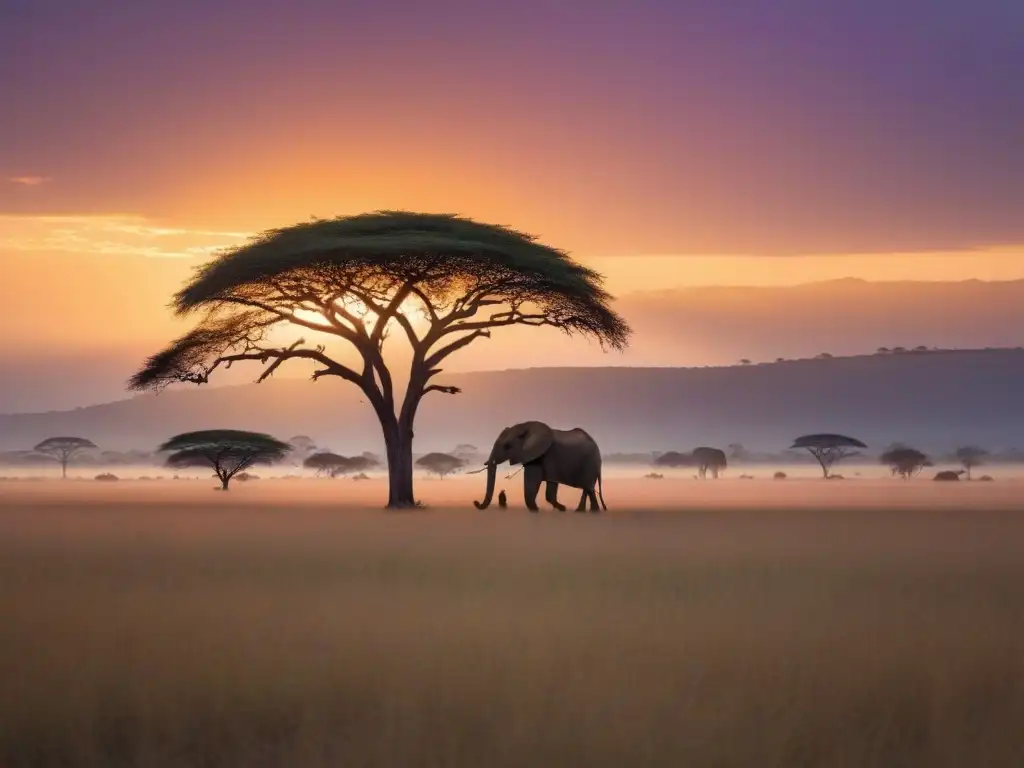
x=64, y=468
x=398, y=439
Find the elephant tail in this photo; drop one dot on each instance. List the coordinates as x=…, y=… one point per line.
x=600, y=493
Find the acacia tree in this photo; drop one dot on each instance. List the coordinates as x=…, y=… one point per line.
x=970, y=456
x=356, y=278
x=327, y=463
x=440, y=464
x=63, y=449
x=828, y=448
x=904, y=461
x=226, y=451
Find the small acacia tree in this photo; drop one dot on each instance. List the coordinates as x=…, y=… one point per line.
x=63, y=449
x=227, y=451
x=971, y=456
x=439, y=464
x=905, y=461
x=442, y=281
x=828, y=448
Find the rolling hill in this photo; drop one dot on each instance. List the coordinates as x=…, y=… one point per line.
x=934, y=400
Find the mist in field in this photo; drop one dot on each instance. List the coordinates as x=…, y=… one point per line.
x=760, y=622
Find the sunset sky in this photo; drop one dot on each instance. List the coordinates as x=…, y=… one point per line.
x=667, y=144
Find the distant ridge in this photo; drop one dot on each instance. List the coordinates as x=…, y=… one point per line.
x=934, y=400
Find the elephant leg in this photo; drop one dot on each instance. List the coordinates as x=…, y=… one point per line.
x=551, y=495
x=532, y=477
x=582, y=506
x=594, y=507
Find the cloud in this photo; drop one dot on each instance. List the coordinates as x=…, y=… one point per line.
x=110, y=235
x=29, y=181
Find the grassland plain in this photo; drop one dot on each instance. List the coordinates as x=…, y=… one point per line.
x=291, y=623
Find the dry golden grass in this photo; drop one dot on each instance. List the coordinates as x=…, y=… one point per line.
x=163, y=624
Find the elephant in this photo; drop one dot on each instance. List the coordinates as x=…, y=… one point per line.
x=709, y=458
x=552, y=456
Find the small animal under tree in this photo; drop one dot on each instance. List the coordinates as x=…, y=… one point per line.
x=828, y=448
x=63, y=449
x=440, y=464
x=226, y=451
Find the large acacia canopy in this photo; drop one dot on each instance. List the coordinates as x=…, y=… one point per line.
x=310, y=273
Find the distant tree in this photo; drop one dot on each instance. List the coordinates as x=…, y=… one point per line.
x=737, y=452
x=442, y=281
x=828, y=448
x=882, y=351
x=363, y=462
x=674, y=459
x=330, y=464
x=921, y=348
x=780, y=359
x=948, y=475
x=439, y=464
x=899, y=350
x=780, y=476
x=745, y=361
x=466, y=452
x=63, y=449
x=227, y=451
x=905, y=461
x=302, y=445
x=971, y=456
x=823, y=356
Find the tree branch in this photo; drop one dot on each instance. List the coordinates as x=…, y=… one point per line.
x=456, y=345
x=439, y=388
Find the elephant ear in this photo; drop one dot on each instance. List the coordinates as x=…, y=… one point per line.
x=537, y=439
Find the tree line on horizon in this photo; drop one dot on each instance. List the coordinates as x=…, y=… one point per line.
x=231, y=453
x=439, y=282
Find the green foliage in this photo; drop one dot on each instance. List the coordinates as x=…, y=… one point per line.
x=451, y=265
x=227, y=451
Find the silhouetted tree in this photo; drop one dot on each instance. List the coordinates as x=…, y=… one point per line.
x=439, y=464
x=904, y=461
x=63, y=449
x=363, y=462
x=828, y=448
x=358, y=277
x=745, y=361
x=971, y=456
x=327, y=463
x=823, y=356
x=227, y=451
x=737, y=452
x=948, y=475
x=882, y=351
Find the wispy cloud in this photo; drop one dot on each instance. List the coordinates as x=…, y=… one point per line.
x=29, y=181
x=111, y=235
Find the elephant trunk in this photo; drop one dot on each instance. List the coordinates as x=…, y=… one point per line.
x=492, y=469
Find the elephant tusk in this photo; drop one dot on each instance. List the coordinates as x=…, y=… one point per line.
x=477, y=471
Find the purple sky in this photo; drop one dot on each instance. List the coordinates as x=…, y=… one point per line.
x=743, y=126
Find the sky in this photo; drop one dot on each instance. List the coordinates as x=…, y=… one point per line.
x=668, y=144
